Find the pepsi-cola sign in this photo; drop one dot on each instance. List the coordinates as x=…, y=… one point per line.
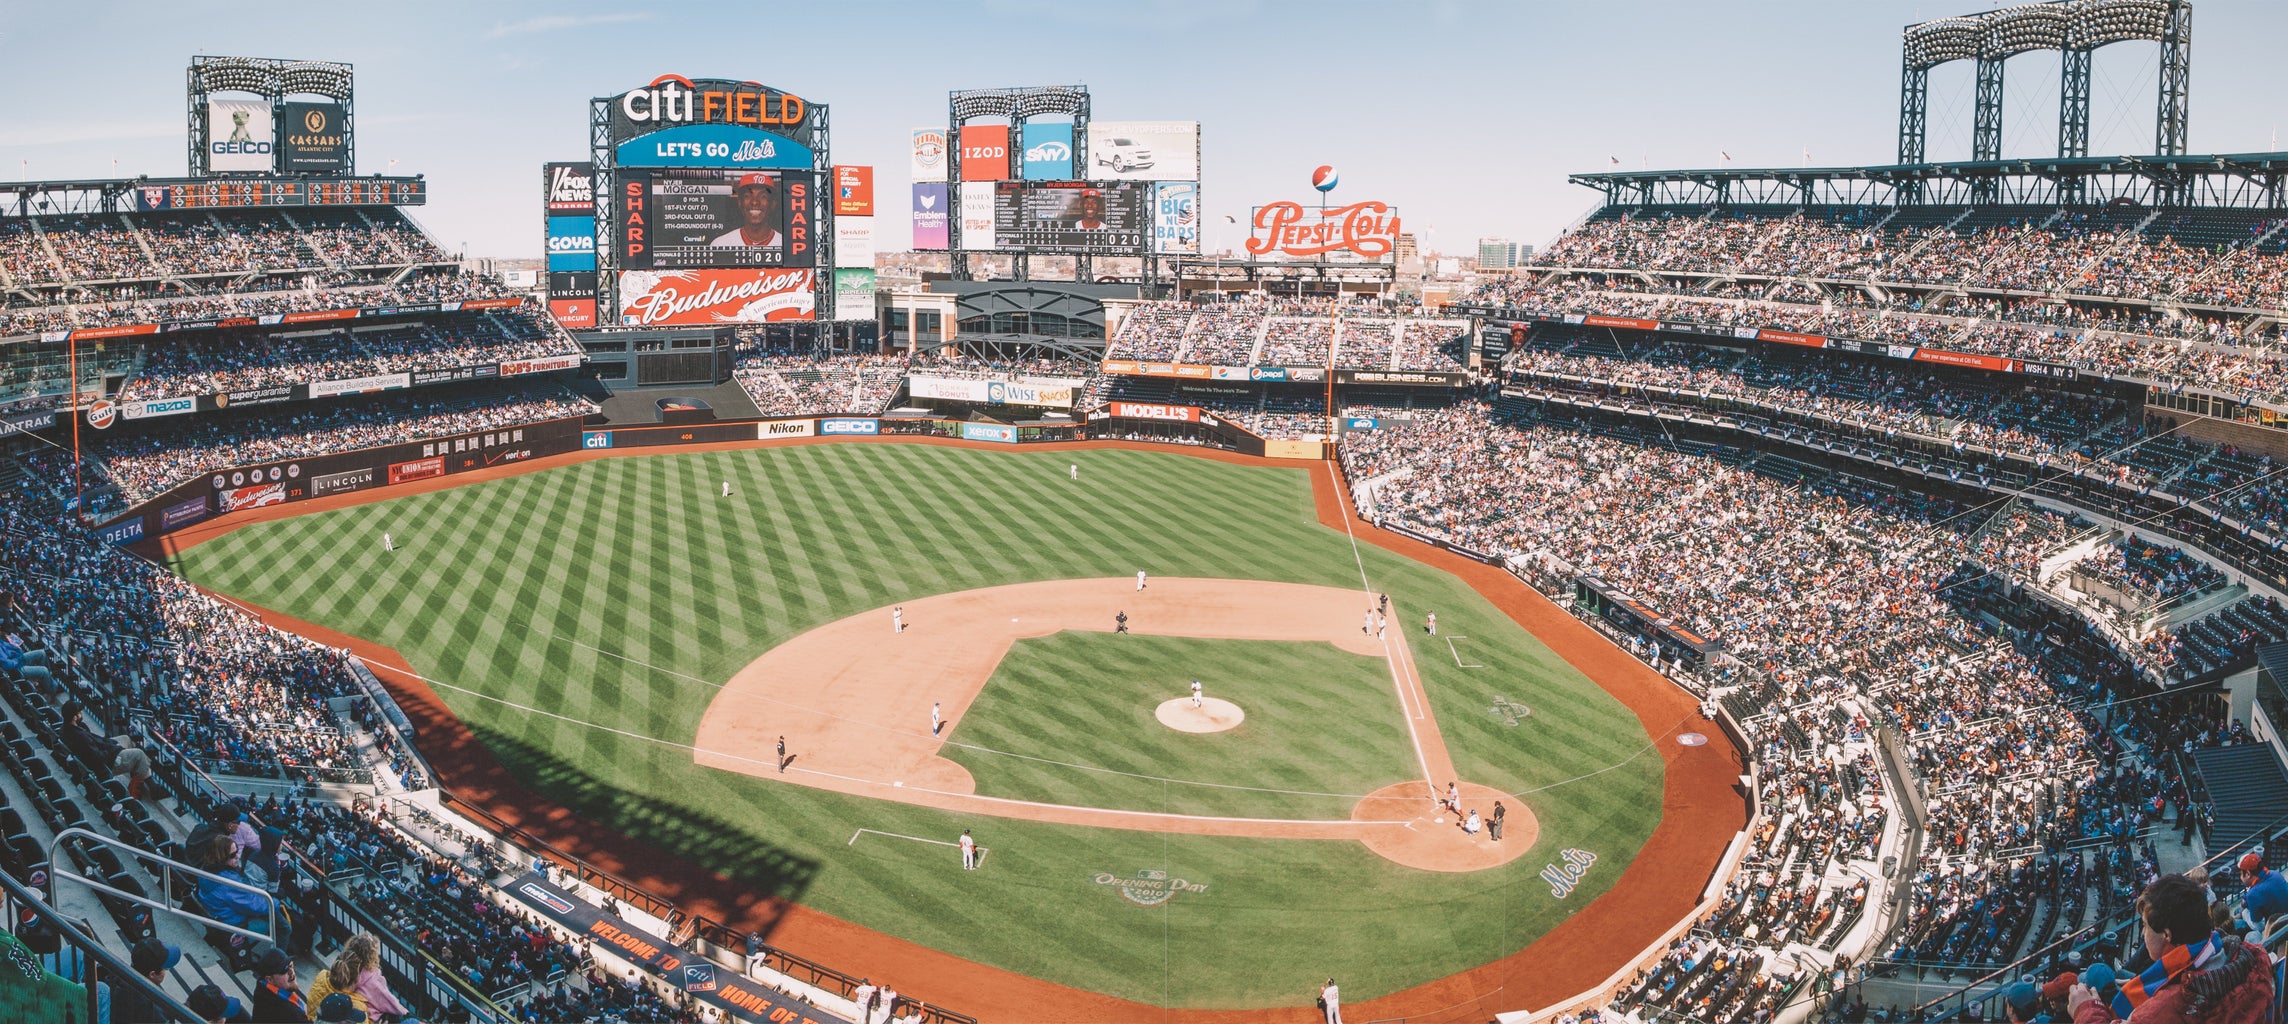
x=1367, y=231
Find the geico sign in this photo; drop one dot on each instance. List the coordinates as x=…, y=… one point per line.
x=673, y=99
x=223, y=148
x=1368, y=230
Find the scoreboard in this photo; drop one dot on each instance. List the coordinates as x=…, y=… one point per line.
x=208, y=193
x=1070, y=216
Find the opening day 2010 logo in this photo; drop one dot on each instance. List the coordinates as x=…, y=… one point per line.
x=1149, y=887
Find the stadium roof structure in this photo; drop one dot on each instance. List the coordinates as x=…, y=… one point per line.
x=2244, y=180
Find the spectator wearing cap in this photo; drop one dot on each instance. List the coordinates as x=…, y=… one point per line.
x=152, y=959
x=277, y=999
x=211, y=1006
x=2267, y=895
x=2022, y=1003
x=2198, y=975
x=339, y=1008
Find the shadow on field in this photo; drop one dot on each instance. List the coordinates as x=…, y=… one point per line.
x=704, y=865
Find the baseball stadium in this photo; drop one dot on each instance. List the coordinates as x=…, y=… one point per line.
x=1793, y=594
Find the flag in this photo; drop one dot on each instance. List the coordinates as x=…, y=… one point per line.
x=1614, y=159
x=1723, y=154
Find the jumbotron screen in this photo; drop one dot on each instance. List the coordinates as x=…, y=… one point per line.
x=1070, y=216
x=675, y=219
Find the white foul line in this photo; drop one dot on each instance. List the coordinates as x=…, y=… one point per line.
x=1342, y=508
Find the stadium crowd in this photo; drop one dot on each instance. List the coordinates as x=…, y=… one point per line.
x=784, y=382
x=1252, y=329
x=199, y=364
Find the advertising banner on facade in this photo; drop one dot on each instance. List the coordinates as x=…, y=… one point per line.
x=984, y=152
x=568, y=188
x=1000, y=433
x=543, y=364
x=1366, y=232
x=573, y=314
x=928, y=155
x=1148, y=411
x=854, y=242
x=185, y=513
x=930, y=209
x=1143, y=150
x=154, y=407
x=341, y=483
x=977, y=215
x=714, y=145
x=571, y=245
x=854, y=294
x=768, y=429
x=1176, y=218
x=315, y=140
x=853, y=190
x=693, y=298
x=240, y=136
x=253, y=497
x=1048, y=151
x=849, y=426
x=416, y=469
x=361, y=385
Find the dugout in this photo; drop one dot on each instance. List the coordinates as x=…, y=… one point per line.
x=1635, y=618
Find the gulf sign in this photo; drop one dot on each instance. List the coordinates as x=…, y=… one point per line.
x=673, y=100
x=984, y=152
x=1362, y=231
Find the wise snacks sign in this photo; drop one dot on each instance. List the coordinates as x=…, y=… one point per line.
x=1362, y=231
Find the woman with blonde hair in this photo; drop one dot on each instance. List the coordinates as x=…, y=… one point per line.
x=356, y=973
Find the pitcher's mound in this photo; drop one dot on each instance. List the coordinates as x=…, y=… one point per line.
x=1213, y=715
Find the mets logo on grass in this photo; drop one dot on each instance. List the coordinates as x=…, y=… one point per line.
x=1149, y=888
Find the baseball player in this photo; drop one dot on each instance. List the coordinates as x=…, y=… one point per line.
x=1431, y=623
x=1381, y=621
x=1195, y=693
x=1075, y=470
x=1331, y=1000
x=1454, y=797
x=1139, y=579
x=968, y=851
x=726, y=488
x=863, y=995
x=885, y=1004
x=1366, y=623
x=898, y=619
x=782, y=753
x=387, y=543
x=1120, y=622
x=936, y=719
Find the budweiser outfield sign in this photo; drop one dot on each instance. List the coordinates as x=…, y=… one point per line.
x=690, y=298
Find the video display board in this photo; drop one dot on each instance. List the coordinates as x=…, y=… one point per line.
x=1070, y=216
x=672, y=219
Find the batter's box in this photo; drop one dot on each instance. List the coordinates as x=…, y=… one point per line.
x=1509, y=711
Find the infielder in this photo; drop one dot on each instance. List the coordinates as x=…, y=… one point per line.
x=1195, y=693
x=782, y=753
x=1331, y=999
x=968, y=851
x=936, y=709
x=898, y=619
x=1139, y=579
x=1366, y=623
x=1431, y=623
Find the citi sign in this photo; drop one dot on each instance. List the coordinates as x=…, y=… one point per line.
x=673, y=99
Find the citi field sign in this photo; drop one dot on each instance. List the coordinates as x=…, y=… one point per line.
x=672, y=101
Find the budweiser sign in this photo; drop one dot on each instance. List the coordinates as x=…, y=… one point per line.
x=1368, y=230
x=672, y=298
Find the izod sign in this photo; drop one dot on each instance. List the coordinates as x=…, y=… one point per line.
x=1367, y=231
x=672, y=100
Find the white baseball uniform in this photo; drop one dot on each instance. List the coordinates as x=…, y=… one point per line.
x=898, y=619
x=387, y=544
x=1333, y=997
x=1195, y=693
x=935, y=710
x=1076, y=470
x=968, y=853
x=1139, y=579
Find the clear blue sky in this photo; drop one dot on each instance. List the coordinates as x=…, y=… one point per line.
x=1467, y=116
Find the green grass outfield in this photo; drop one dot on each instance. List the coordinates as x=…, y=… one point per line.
x=507, y=588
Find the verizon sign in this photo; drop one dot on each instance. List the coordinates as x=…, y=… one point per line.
x=1147, y=411
x=1365, y=231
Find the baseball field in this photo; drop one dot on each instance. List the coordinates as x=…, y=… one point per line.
x=629, y=643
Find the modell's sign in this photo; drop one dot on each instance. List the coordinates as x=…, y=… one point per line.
x=672, y=100
x=1367, y=231
x=675, y=298
x=1147, y=411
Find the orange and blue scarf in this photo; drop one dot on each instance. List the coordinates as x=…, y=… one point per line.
x=2157, y=976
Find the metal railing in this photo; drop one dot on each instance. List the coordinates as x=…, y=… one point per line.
x=92, y=966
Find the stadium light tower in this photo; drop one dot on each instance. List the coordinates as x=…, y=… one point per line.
x=2074, y=28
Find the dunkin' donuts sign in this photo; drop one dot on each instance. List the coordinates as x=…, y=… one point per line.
x=1366, y=231
x=678, y=298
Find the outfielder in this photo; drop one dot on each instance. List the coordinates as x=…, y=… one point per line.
x=1139, y=579
x=726, y=488
x=387, y=543
x=1075, y=470
x=1195, y=693
x=968, y=851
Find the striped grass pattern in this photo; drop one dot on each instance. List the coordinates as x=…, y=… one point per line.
x=619, y=593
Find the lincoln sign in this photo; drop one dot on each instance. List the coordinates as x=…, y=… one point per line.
x=1365, y=231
